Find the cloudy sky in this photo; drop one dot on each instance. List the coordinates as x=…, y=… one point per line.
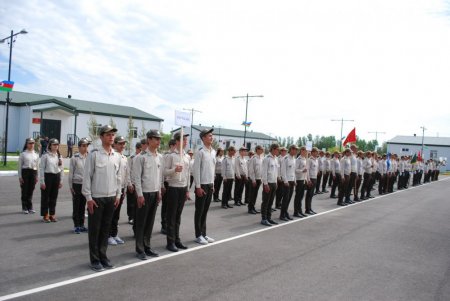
x=385, y=64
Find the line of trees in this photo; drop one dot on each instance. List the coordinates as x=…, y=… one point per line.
x=330, y=143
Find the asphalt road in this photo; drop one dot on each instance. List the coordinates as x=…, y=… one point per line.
x=395, y=247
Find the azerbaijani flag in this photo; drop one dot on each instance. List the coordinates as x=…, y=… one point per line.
x=248, y=123
x=6, y=85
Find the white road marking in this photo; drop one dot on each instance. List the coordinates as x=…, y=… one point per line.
x=136, y=264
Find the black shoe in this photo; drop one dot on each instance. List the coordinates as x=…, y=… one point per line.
x=252, y=211
x=172, y=248
x=314, y=212
x=141, y=256
x=179, y=245
x=216, y=200
x=289, y=218
x=341, y=204
x=278, y=207
x=97, y=266
x=131, y=221
x=151, y=253
x=333, y=197
x=370, y=197
x=163, y=231
x=107, y=264
x=283, y=218
x=304, y=215
x=273, y=209
x=229, y=206
x=325, y=191
x=237, y=204
x=224, y=206
x=299, y=215
x=256, y=211
x=265, y=223
x=272, y=222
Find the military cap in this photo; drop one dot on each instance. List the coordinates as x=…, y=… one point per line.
x=204, y=132
x=30, y=140
x=119, y=139
x=153, y=134
x=83, y=141
x=53, y=141
x=106, y=129
x=177, y=136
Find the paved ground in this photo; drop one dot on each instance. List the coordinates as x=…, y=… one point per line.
x=395, y=247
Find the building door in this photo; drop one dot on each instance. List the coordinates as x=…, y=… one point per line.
x=51, y=128
x=249, y=145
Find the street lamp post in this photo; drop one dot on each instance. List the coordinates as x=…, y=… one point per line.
x=192, y=110
x=8, y=100
x=246, y=110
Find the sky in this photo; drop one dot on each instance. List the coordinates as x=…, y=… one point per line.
x=383, y=64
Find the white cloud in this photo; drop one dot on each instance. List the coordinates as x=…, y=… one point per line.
x=382, y=63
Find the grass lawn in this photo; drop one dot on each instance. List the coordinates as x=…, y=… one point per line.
x=10, y=165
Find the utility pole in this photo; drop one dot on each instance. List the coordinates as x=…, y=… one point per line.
x=342, y=120
x=423, y=135
x=192, y=110
x=376, y=136
x=246, y=110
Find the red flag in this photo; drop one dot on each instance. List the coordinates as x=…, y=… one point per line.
x=419, y=157
x=351, y=137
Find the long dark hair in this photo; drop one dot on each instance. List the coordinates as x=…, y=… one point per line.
x=57, y=151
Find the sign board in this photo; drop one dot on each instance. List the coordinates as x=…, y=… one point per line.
x=36, y=120
x=309, y=146
x=182, y=118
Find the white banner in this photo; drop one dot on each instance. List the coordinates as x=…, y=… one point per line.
x=182, y=118
x=309, y=146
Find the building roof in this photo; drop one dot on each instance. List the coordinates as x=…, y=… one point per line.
x=77, y=105
x=417, y=140
x=231, y=133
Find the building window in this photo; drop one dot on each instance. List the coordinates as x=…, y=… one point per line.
x=405, y=149
x=134, y=132
x=433, y=154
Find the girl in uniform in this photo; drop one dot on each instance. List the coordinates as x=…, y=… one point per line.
x=28, y=176
x=51, y=176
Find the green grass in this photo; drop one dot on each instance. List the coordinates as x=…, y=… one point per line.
x=10, y=165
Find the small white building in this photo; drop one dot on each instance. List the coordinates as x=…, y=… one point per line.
x=225, y=137
x=33, y=115
x=436, y=148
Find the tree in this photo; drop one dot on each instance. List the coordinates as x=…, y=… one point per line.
x=93, y=129
x=165, y=141
x=112, y=123
x=130, y=135
x=143, y=131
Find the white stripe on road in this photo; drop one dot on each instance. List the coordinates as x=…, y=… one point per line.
x=136, y=264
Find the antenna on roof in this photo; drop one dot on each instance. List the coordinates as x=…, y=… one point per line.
x=69, y=96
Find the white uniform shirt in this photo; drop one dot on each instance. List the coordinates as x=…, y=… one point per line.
x=49, y=164
x=354, y=162
x=288, y=169
x=300, y=165
x=204, y=166
x=28, y=160
x=102, y=174
x=148, y=173
x=228, y=167
x=269, y=170
x=241, y=167
x=335, y=166
x=218, y=168
x=76, y=169
x=254, y=167
x=346, y=165
x=171, y=161
x=367, y=165
x=313, y=167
